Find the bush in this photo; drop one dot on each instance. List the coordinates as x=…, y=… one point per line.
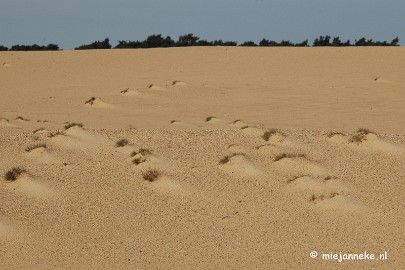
x=96, y=45
x=69, y=125
x=14, y=173
x=121, y=143
x=151, y=175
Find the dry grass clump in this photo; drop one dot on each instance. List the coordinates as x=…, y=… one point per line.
x=14, y=173
x=227, y=158
x=333, y=133
x=38, y=130
x=32, y=147
x=209, y=118
x=360, y=135
x=70, y=125
x=266, y=136
x=56, y=133
x=244, y=127
x=138, y=160
x=151, y=175
x=121, y=143
x=21, y=118
x=124, y=91
x=288, y=155
x=91, y=101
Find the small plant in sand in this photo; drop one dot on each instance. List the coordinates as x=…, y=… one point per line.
x=173, y=121
x=14, y=173
x=125, y=91
x=266, y=136
x=209, y=118
x=333, y=133
x=21, y=118
x=70, y=125
x=90, y=101
x=38, y=130
x=360, y=135
x=287, y=155
x=244, y=127
x=121, y=143
x=227, y=158
x=138, y=160
x=151, y=175
x=32, y=147
x=56, y=133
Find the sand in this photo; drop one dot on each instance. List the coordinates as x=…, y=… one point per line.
x=225, y=196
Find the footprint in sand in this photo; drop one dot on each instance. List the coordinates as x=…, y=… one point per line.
x=237, y=164
x=96, y=102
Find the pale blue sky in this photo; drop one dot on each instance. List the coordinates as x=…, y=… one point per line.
x=70, y=23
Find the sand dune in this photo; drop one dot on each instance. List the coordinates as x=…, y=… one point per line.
x=169, y=159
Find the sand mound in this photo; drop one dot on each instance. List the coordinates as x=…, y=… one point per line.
x=178, y=83
x=238, y=124
x=5, y=122
x=252, y=131
x=237, y=165
x=42, y=155
x=131, y=93
x=299, y=166
x=30, y=186
x=76, y=137
x=167, y=185
x=156, y=87
x=214, y=120
x=374, y=143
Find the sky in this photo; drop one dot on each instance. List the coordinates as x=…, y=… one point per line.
x=70, y=23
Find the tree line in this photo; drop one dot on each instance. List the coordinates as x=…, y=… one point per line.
x=158, y=41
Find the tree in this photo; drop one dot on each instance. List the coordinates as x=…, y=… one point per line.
x=3, y=48
x=248, y=44
x=336, y=42
x=302, y=44
x=187, y=40
x=96, y=45
x=322, y=41
x=395, y=42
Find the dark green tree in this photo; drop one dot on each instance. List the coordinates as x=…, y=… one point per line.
x=96, y=45
x=248, y=44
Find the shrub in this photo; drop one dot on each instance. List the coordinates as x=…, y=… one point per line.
x=227, y=158
x=151, y=175
x=96, y=45
x=266, y=136
x=14, y=173
x=209, y=118
x=138, y=160
x=91, y=101
x=121, y=142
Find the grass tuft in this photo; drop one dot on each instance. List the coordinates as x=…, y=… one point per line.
x=138, y=160
x=70, y=125
x=91, y=101
x=121, y=142
x=38, y=130
x=14, y=173
x=288, y=155
x=125, y=91
x=227, y=158
x=151, y=175
x=266, y=136
x=32, y=147
x=209, y=118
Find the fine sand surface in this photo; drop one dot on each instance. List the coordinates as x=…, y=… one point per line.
x=256, y=150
